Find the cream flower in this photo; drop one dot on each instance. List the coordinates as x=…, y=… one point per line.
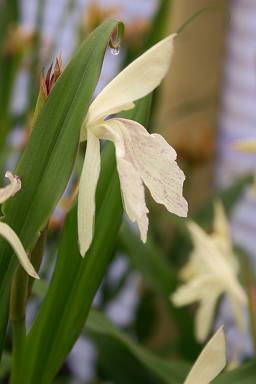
x=211, y=272
x=141, y=158
x=7, y=232
x=210, y=362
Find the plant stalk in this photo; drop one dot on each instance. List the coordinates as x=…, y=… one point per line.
x=17, y=318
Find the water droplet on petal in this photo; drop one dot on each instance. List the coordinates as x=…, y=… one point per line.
x=115, y=51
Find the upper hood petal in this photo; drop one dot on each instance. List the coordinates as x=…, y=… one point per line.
x=137, y=80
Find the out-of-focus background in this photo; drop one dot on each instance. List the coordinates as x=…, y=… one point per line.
x=207, y=101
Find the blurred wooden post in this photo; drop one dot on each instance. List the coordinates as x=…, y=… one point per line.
x=188, y=102
x=187, y=110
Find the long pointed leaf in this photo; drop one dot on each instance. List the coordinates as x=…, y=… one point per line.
x=48, y=159
x=157, y=370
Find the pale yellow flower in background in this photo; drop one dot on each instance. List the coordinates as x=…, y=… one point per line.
x=211, y=272
x=142, y=158
x=210, y=362
x=245, y=145
x=7, y=232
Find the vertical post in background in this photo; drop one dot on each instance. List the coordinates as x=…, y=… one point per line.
x=189, y=100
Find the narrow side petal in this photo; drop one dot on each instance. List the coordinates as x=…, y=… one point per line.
x=205, y=316
x=195, y=290
x=220, y=222
x=11, y=189
x=131, y=184
x=221, y=235
x=137, y=80
x=87, y=190
x=247, y=146
x=8, y=233
x=210, y=362
x=155, y=161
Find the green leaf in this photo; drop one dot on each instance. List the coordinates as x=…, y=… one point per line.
x=159, y=25
x=75, y=280
x=9, y=17
x=229, y=197
x=162, y=278
x=48, y=159
x=243, y=375
x=5, y=365
x=127, y=361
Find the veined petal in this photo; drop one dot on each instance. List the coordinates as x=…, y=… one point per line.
x=137, y=80
x=133, y=195
x=210, y=362
x=155, y=161
x=132, y=188
x=8, y=233
x=87, y=190
x=247, y=146
x=11, y=189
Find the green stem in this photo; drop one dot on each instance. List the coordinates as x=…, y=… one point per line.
x=17, y=318
x=20, y=291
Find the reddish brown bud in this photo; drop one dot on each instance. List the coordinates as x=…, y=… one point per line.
x=47, y=82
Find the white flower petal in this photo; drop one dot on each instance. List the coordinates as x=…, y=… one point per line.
x=131, y=185
x=7, y=232
x=133, y=195
x=210, y=362
x=137, y=80
x=247, y=146
x=220, y=222
x=87, y=190
x=205, y=316
x=155, y=161
x=11, y=189
x=221, y=235
x=195, y=290
x=207, y=250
